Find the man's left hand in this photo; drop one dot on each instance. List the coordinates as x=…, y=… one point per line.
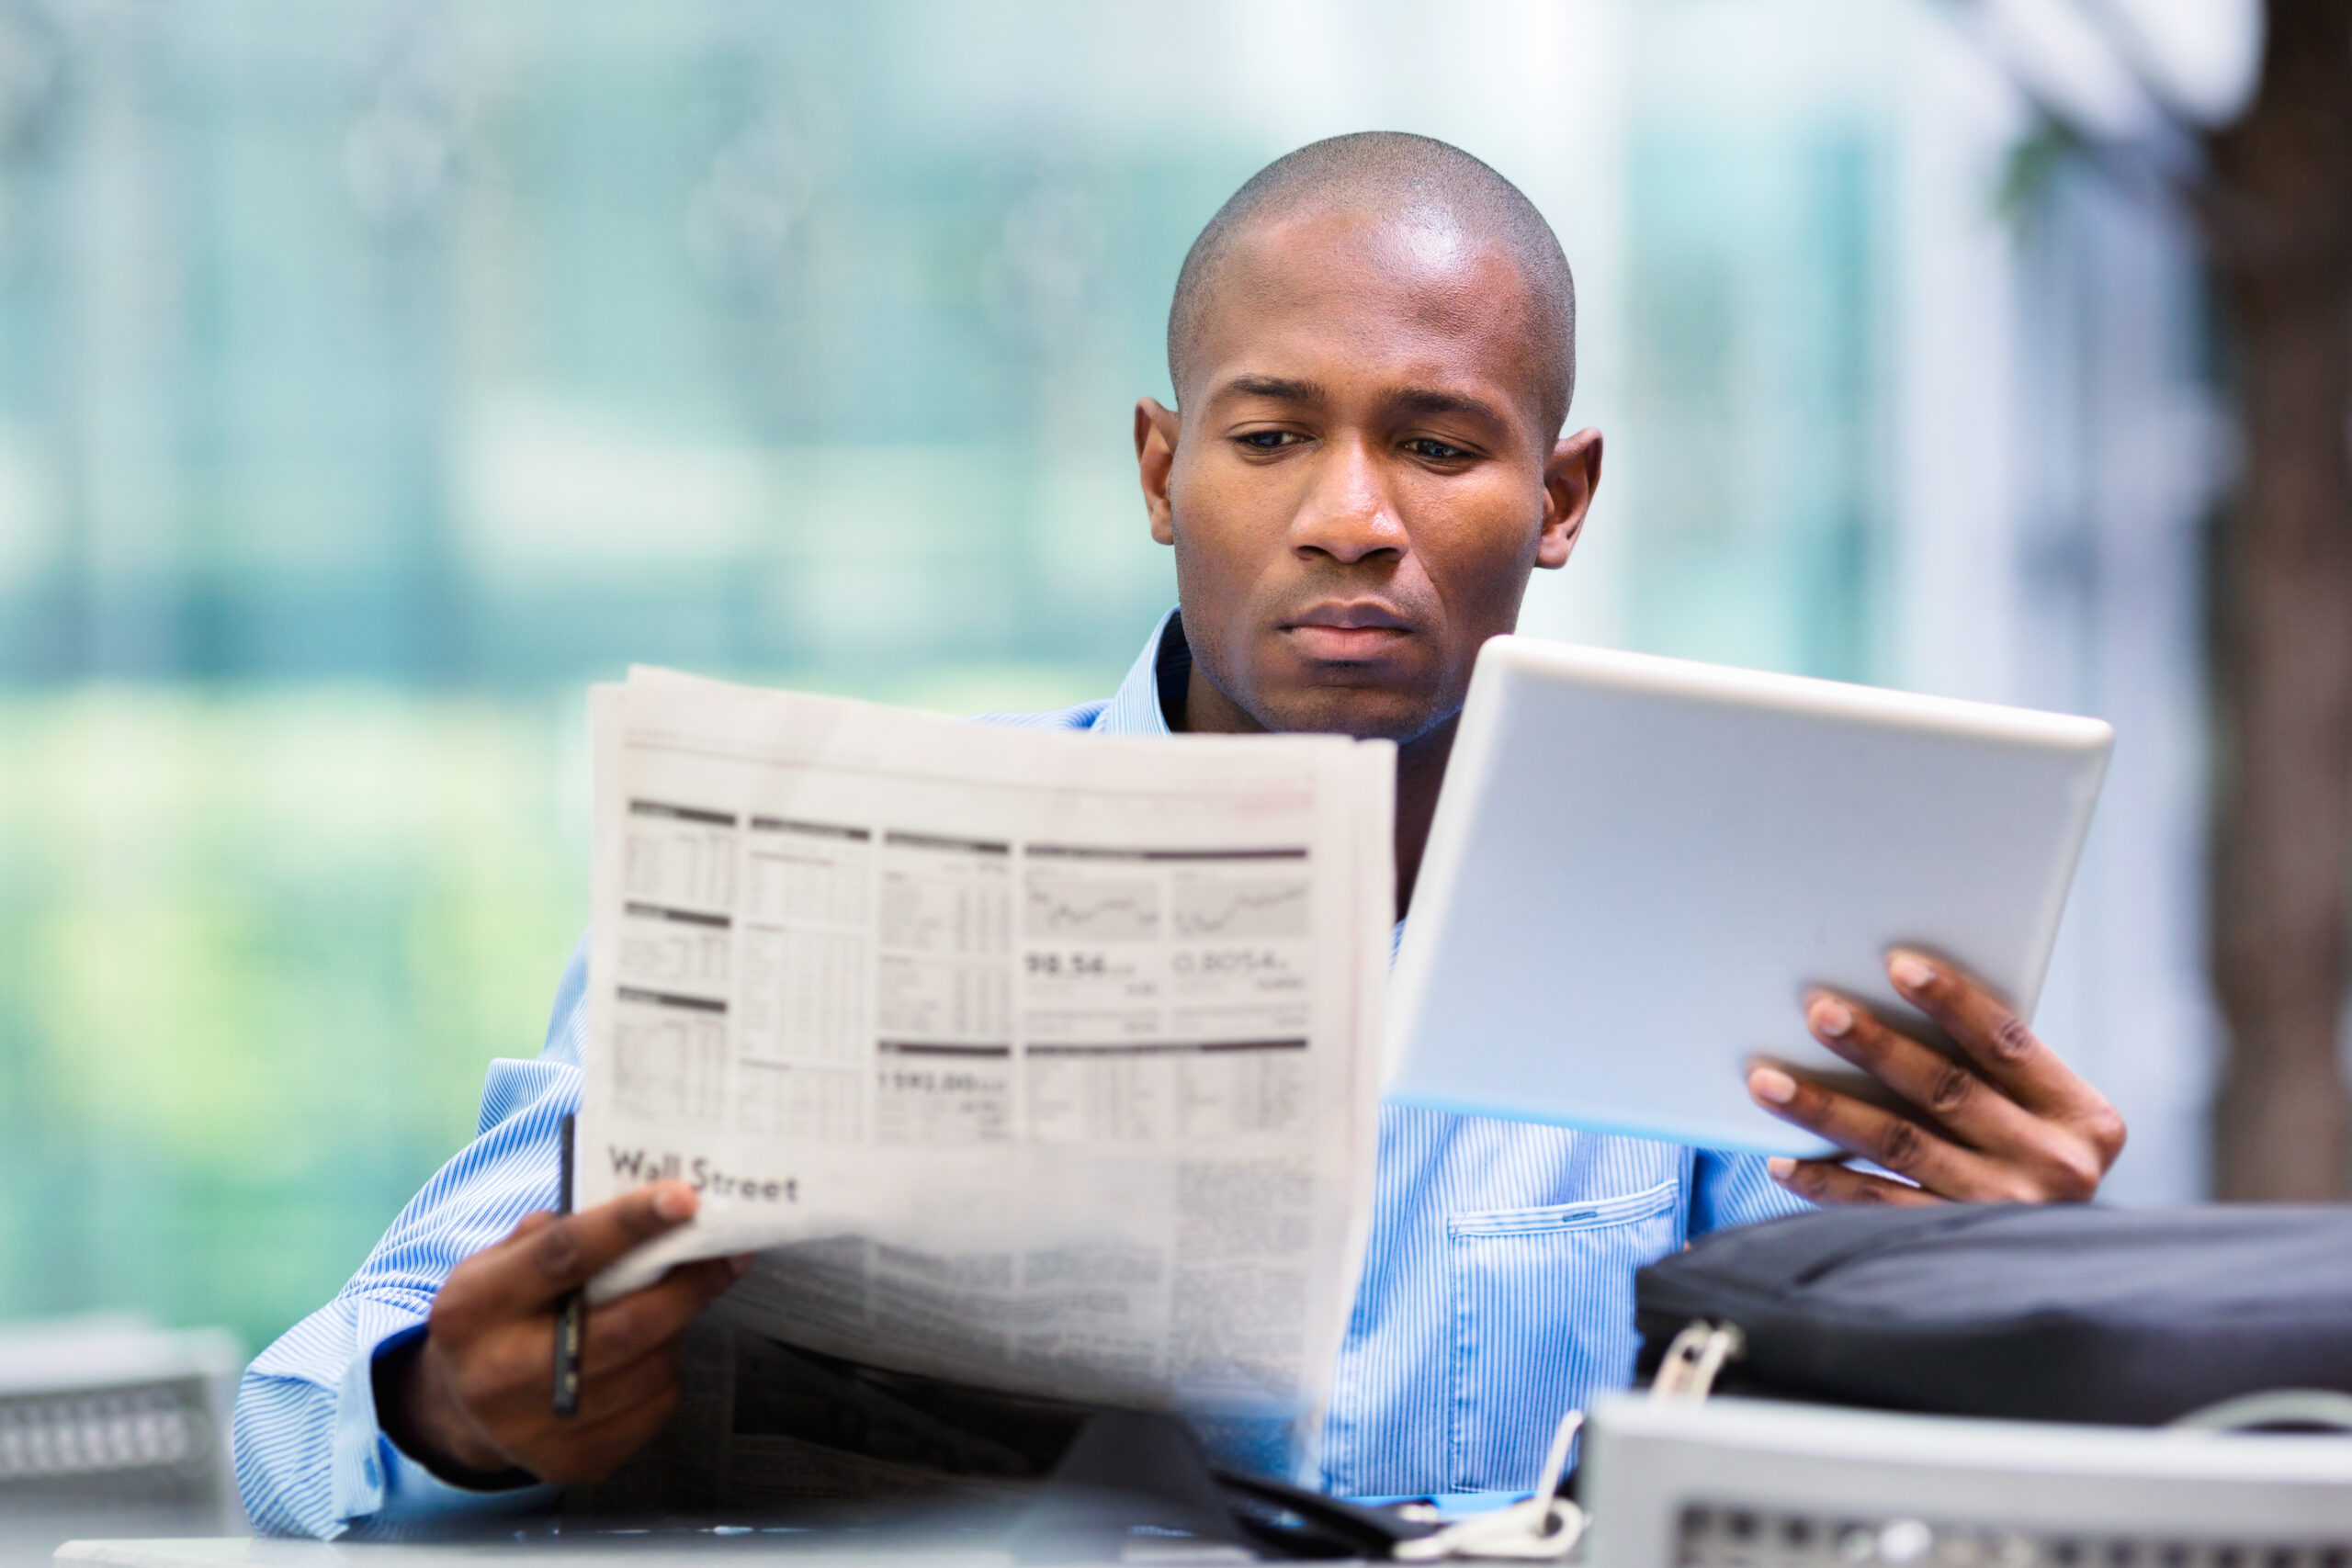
x=2009, y=1123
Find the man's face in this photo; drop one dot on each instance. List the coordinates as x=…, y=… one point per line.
x=1361, y=479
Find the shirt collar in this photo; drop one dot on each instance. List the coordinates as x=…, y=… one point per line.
x=1136, y=707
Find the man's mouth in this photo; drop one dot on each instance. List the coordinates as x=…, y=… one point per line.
x=1356, y=630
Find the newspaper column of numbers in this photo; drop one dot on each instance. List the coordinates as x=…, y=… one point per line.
x=676, y=969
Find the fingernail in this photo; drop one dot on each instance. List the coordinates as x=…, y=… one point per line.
x=1911, y=974
x=1781, y=1166
x=1770, y=1083
x=674, y=1203
x=740, y=1264
x=1831, y=1018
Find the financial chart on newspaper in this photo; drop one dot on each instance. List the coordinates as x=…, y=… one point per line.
x=1036, y=1060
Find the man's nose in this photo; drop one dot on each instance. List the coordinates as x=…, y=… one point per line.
x=1348, y=513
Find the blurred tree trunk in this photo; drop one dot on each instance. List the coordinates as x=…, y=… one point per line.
x=2275, y=206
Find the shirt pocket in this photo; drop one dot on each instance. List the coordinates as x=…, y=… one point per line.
x=1542, y=1320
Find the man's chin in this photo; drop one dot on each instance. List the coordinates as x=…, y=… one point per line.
x=1364, y=713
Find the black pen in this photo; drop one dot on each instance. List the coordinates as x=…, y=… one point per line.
x=571, y=1312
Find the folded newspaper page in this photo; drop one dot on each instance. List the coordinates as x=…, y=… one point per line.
x=1035, y=1060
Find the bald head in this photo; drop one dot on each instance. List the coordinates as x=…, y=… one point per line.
x=1393, y=179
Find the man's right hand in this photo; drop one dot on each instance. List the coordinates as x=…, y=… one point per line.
x=473, y=1400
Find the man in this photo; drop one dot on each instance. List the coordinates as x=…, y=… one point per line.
x=1371, y=348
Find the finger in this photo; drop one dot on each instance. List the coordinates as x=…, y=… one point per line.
x=472, y=1301
x=1826, y=1182
x=1994, y=1037
x=528, y=1274
x=500, y=1376
x=506, y=1387
x=622, y=1330
x=617, y=1391
x=503, y=1367
x=1960, y=1102
x=583, y=1454
x=1897, y=1143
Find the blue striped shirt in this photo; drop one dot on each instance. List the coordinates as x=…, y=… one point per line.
x=1496, y=1290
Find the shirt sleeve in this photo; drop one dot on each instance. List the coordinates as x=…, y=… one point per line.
x=1729, y=1189
x=311, y=1456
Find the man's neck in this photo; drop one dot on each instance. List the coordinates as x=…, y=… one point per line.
x=1421, y=770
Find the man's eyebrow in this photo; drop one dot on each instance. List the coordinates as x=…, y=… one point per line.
x=1281, y=389
x=1407, y=399
x=1428, y=399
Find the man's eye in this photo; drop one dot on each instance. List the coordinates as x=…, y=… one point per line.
x=1435, y=450
x=1267, y=440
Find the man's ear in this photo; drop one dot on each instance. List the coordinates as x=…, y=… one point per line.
x=1569, y=479
x=1156, y=430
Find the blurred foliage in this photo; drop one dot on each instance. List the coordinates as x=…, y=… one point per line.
x=2033, y=165
x=255, y=949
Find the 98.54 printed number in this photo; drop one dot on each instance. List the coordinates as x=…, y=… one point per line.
x=1231, y=960
x=1074, y=963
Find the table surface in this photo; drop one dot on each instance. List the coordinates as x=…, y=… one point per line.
x=808, y=1549
x=29, y=1536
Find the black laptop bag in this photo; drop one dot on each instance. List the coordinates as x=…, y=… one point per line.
x=2123, y=1316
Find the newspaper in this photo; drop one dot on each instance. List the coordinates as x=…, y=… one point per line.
x=1038, y=1061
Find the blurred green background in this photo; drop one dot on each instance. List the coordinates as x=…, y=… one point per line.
x=373, y=376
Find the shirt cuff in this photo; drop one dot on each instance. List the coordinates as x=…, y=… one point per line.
x=376, y=1482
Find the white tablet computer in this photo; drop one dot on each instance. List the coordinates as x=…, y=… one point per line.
x=1639, y=864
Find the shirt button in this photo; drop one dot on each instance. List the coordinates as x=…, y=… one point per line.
x=370, y=1472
